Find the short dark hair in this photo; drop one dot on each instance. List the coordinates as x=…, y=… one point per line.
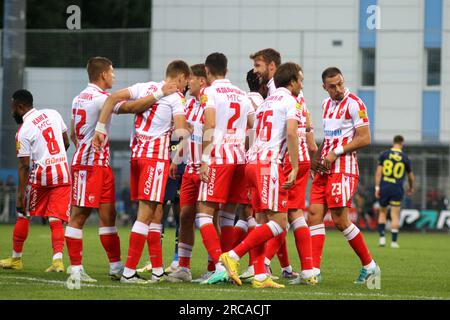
x=198, y=70
x=330, y=73
x=177, y=67
x=24, y=97
x=217, y=64
x=286, y=73
x=268, y=55
x=97, y=65
x=399, y=139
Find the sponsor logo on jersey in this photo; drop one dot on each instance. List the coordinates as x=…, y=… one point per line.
x=265, y=187
x=203, y=99
x=362, y=114
x=333, y=133
x=211, y=182
x=148, y=183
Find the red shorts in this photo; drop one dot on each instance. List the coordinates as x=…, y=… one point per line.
x=92, y=185
x=336, y=190
x=148, y=179
x=190, y=186
x=221, y=179
x=266, y=180
x=297, y=194
x=240, y=191
x=48, y=201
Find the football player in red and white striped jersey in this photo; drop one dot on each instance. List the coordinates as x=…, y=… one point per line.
x=276, y=133
x=346, y=129
x=265, y=64
x=44, y=189
x=190, y=184
x=228, y=113
x=150, y=157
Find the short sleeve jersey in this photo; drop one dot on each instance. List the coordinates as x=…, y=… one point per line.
x=40, y=138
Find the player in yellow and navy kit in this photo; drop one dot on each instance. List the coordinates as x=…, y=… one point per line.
x=393, y=166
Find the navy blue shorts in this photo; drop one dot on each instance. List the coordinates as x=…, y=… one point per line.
x=391, y=196
x=172, y=192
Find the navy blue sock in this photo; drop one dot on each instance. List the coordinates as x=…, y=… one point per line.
x=381, y=227
x=394, y=235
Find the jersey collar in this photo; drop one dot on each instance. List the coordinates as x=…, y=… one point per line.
x=396, y=149
x=221, y=81
x=283, y=89
x=28, y=113
x=96, y=87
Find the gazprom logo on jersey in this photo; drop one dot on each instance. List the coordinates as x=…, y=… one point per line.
x=148, y=183
x=333, y=133
x=196, y=138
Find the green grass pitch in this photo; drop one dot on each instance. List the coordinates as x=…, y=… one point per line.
x=418, y=270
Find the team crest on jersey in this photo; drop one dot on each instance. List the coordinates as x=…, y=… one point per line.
x=183, y=100
x=299, y=106
x=17, y=146
x=362, y=114
x=203, y=99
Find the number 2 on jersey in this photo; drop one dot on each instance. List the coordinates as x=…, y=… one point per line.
x=52, y=144
x=237, y=113
x=81, y=123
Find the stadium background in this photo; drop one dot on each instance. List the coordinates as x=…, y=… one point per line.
x=401, y=70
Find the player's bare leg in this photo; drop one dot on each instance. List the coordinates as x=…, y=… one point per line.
x=355, y=239
x=138, y=237
x=304, y=249
x=395, y=225
x=110, y=239
x=316, y=215
x=74, y=242
x=20, y=234
x=187, y=237
x=382, y=225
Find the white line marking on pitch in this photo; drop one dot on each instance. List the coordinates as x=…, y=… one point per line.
x=205, y=289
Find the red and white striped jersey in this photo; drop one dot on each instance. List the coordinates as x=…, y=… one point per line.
x=232, y=110
x=40, y=138
x=153, y=128
x=86, y=109
x=195, y=117
x=303, y=152
x=271, y=125
x=340, y=120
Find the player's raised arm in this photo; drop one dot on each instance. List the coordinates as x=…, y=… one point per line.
x=292, y=144
x=142, y=104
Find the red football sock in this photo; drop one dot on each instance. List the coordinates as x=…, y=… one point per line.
x=356, y=241
x=258, y=262
x=74, y=241
x=154, y=245
x=138, y=237
x=304, y=248
x=20, y=233
x=260, y=235
x=317, y=242
x=282, y=253
x=111, y=243
x=211, y=242
x=251, y=253
x=226, y=238
x=184, y=255
x=273, y=245
x=211, y=265
x=239, y=234
x=57, y=229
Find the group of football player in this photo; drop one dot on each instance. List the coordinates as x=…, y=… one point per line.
x=246, y=152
